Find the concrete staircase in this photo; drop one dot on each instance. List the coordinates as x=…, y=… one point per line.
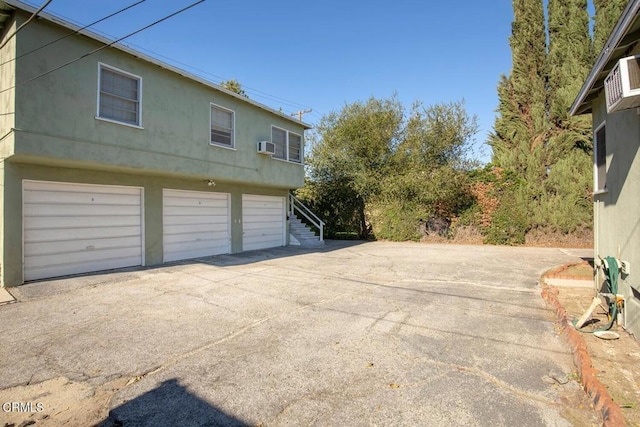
x=301, y=234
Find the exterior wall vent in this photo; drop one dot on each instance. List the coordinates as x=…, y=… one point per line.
x=622, y=85
x=266, y=147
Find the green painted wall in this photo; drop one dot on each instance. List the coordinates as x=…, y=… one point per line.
x=14, y=173
x=617, y=212
x=55, y=116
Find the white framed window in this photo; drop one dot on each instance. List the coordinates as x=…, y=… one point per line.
x=119, y=96
x=600, y=159
x=295, y=147
x=288, y=144
x=222, y=126
x=279, y=139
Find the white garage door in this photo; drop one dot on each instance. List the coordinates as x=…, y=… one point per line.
x=262, y=222
x=195, y=224
x=79, y=228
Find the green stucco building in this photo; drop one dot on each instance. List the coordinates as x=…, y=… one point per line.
x=611, y=94
x=118, y=159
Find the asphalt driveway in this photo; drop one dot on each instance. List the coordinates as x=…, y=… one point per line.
x=354, y=334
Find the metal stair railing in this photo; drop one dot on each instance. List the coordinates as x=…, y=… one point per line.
x=296, y=205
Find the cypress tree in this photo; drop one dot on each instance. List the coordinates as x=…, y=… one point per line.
x=521, y=127
x=568, y=148
x=607, y=14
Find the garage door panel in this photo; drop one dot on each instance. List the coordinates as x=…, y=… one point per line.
x=196, y=211
x=262, y=225
x=195, y=224
x=177, y=199
x=84, y=257
x=35, y=273
x=77, y=228
x=196, y=237
x=262, y=221
x=93, y=210
x=47, y=248
x=48, y=235
x=79, y=222
x=195, y=220
x=74, y=198
x=197, y=228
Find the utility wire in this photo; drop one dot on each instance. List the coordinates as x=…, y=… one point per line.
x=12, y=35
x=73, y=33
x=103, y=47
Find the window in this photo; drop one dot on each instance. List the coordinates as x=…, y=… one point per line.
x=288, y=145
x=222, y=124
x=600, y=160
x=119, y=96
x=295, y=148
x=279, y=139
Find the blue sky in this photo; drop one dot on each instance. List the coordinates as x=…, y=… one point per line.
x=296, y=55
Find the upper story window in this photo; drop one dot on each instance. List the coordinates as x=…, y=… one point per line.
x=288, y=145
x=600, y=160
x=222, y=126
x=295, y=147
x=119, y=96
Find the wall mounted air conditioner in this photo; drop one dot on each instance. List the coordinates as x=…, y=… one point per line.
x=266, y=147
x=622, y=85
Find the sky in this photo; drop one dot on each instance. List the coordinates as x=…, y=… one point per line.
x=322, y=55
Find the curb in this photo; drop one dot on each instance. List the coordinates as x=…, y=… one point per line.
x=602, y=401
x=558, y=272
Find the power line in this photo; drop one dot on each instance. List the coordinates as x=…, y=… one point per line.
x=103, y=47
x=12, y=35
x=72, y=33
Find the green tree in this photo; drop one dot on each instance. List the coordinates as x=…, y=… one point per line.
x=351, y=154
x=373, y=169
x=607, y=14
x=564, y=205
x=234, y=86
x=521, y=128
x=428, y=179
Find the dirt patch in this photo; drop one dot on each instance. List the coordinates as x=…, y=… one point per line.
x=616, y=362
x=57, y=402
x=582, y=238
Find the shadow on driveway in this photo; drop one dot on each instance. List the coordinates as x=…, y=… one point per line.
x=169, y=404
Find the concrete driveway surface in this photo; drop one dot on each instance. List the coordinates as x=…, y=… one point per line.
x=353, y=334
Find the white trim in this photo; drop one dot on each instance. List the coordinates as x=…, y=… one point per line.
x=286, y=143
x=301, y=147
x=286, y=146
x=233, y=133
x=596, y=184
x=104, y=119
x=102, y=65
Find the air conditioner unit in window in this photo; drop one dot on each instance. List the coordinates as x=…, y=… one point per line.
x=266, y=147
x=622, y=85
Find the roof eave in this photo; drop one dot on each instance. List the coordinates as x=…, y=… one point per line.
x=582, y=103
x=27, y=8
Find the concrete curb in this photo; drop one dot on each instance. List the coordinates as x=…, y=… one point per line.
x=610, y=411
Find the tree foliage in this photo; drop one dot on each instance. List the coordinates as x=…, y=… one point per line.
x=607, y=14
x=234, y=86
x=534, y=138
x=372, y=169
